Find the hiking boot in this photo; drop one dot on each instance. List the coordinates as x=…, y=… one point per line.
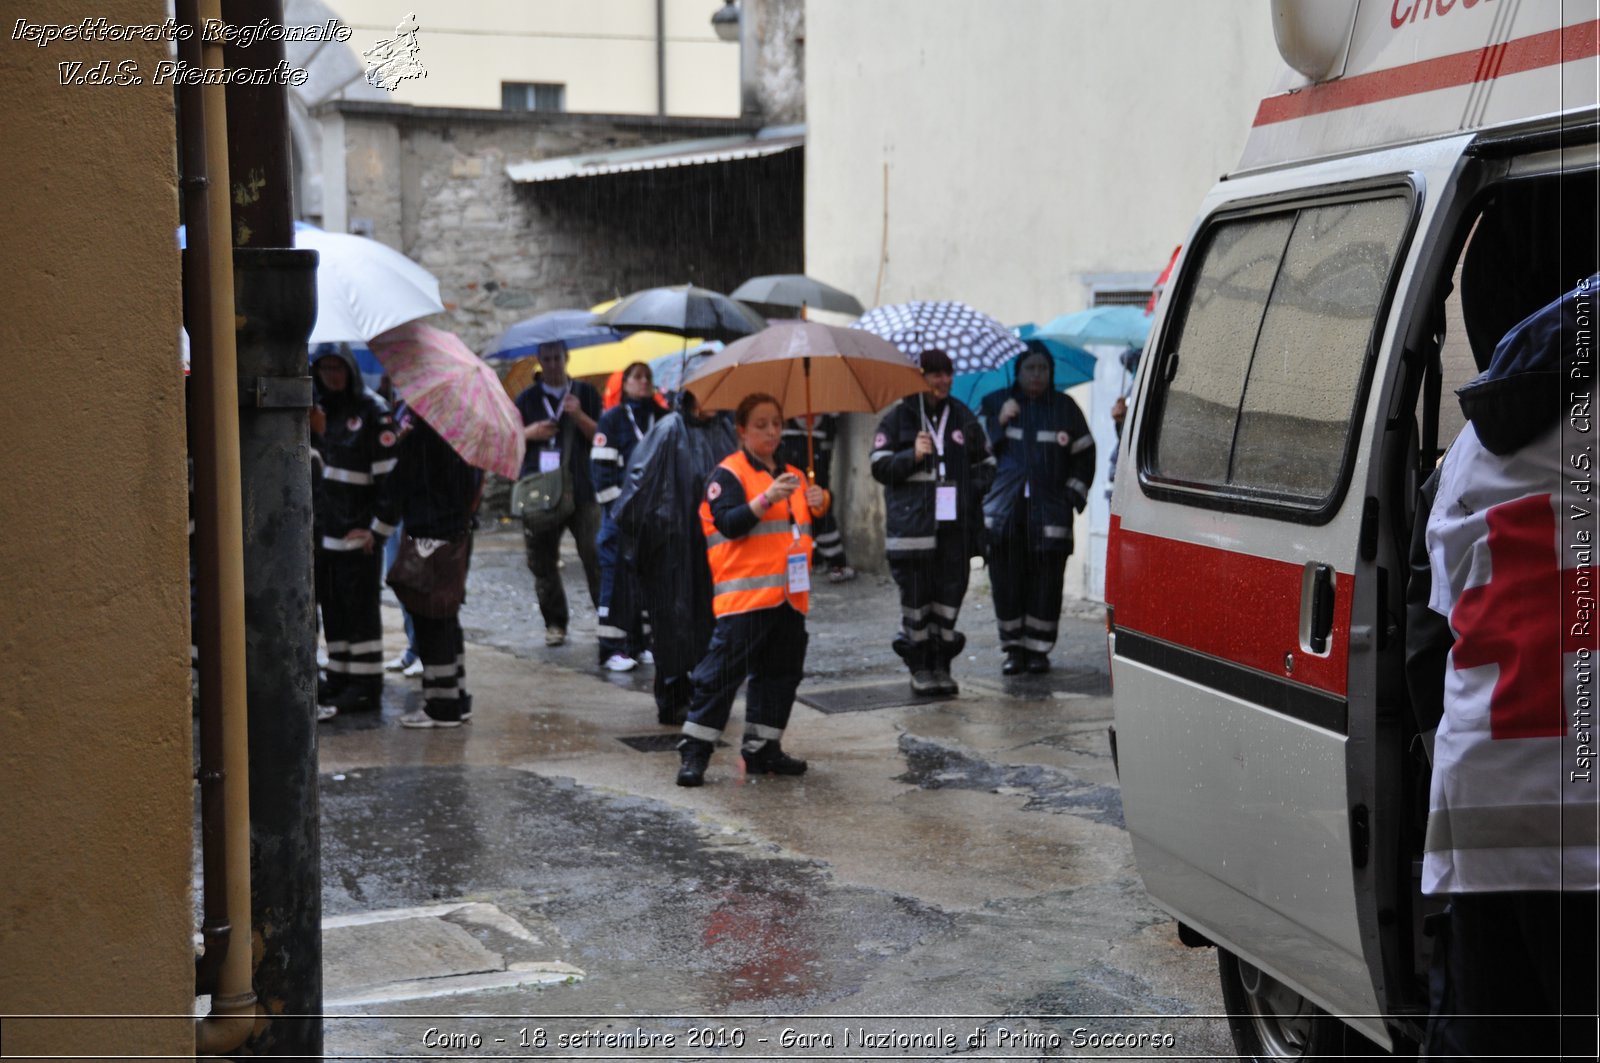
x=1038, y=663
x=947, y=685
x=1016, y=663
x=923, y=683
x=696, y=755
x=770, y=759
x=555, y=636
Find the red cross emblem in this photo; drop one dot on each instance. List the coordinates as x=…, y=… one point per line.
x=1515, y=621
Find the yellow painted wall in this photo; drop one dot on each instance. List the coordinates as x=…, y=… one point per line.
x=95, y=839
x=604, y=51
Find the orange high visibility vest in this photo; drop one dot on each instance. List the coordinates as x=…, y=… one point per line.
x=752, y=571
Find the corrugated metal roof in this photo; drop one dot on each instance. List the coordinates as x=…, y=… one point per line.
x=660, y=156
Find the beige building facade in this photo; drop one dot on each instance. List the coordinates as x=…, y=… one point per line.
x=95, y=843
x=1017, y=156
x=609, y=56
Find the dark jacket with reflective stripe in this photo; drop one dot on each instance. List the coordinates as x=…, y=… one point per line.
x=1045, y=462
x=358, y=452
x=909, y=485
x=614, y=439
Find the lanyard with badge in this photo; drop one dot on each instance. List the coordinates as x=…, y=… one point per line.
x=550, y=454
x=799, y=561
x=944, y=492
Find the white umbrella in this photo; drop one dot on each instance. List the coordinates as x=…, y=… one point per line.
x=365, y=288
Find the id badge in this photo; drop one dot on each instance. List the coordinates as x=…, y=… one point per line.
x=944, y=502
x=799, y=574
x=549, y=460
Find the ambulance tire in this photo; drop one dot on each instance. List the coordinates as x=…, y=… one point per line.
x=1270, y=1021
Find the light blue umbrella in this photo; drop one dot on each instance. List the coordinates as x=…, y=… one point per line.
x=1110, y=326
x=1073, y=365
x=669, y=370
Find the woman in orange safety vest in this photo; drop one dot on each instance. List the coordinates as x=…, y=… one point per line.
x=757, y=521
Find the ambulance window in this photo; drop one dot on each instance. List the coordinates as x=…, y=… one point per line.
x=1271, y=350
x=1301, y=393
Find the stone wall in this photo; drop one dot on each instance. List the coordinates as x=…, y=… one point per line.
x=432, y=183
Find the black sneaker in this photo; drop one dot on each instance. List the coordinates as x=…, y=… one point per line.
x=947, y=685
x=352, y=698
x=770, y=759
x=924, y=683
x=696, y=755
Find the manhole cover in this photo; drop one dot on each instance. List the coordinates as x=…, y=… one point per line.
x=863, y=698
x=657, y=743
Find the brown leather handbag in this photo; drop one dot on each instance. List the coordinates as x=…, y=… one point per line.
x=429, y=576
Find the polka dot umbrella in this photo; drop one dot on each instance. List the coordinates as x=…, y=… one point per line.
x=973, y=340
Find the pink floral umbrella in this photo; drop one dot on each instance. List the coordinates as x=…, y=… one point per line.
x=456, y=392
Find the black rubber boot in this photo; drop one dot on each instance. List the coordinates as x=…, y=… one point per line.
x=696, y=755
x=770, y=759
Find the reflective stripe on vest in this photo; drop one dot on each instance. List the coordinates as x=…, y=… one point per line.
x=752, y=571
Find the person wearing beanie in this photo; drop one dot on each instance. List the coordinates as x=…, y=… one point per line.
x=932, y=457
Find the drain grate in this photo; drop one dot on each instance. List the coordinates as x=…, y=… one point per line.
x=657, y=743
x=863, y=698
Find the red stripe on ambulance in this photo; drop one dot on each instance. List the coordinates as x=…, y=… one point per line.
x=1567, y=44
x=1236, y=607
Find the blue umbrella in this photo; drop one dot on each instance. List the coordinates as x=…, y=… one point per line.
x=576, y=327
x=1111, y=326
x=1073, y=365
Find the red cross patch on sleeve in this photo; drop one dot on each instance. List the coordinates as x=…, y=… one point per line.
x=386, y=439
x=1063, y=439
x=957, y=437
x=599, y=439
x=880, y=440
x=713, y=491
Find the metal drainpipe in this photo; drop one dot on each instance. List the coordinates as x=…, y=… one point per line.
x=219, y=536
x=661, y=57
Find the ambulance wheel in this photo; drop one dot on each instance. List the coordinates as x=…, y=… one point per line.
x=1270, y=1021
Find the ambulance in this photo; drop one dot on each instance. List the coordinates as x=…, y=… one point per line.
x=1297, y=388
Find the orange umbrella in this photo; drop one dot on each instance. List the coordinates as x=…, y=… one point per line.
x=825, y=369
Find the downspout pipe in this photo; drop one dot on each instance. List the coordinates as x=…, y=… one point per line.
x=219, y=537
x=661, y=57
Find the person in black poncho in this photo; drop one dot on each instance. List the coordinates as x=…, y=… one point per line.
x=657, y=515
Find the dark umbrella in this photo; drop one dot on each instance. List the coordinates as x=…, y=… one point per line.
x=795, y=291
x=684, y=310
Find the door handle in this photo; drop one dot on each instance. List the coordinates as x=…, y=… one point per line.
x=1316, y=607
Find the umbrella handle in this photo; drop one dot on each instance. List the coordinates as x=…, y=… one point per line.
x=811, y=458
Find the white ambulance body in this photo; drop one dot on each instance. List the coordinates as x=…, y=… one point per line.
x=1289, y=404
